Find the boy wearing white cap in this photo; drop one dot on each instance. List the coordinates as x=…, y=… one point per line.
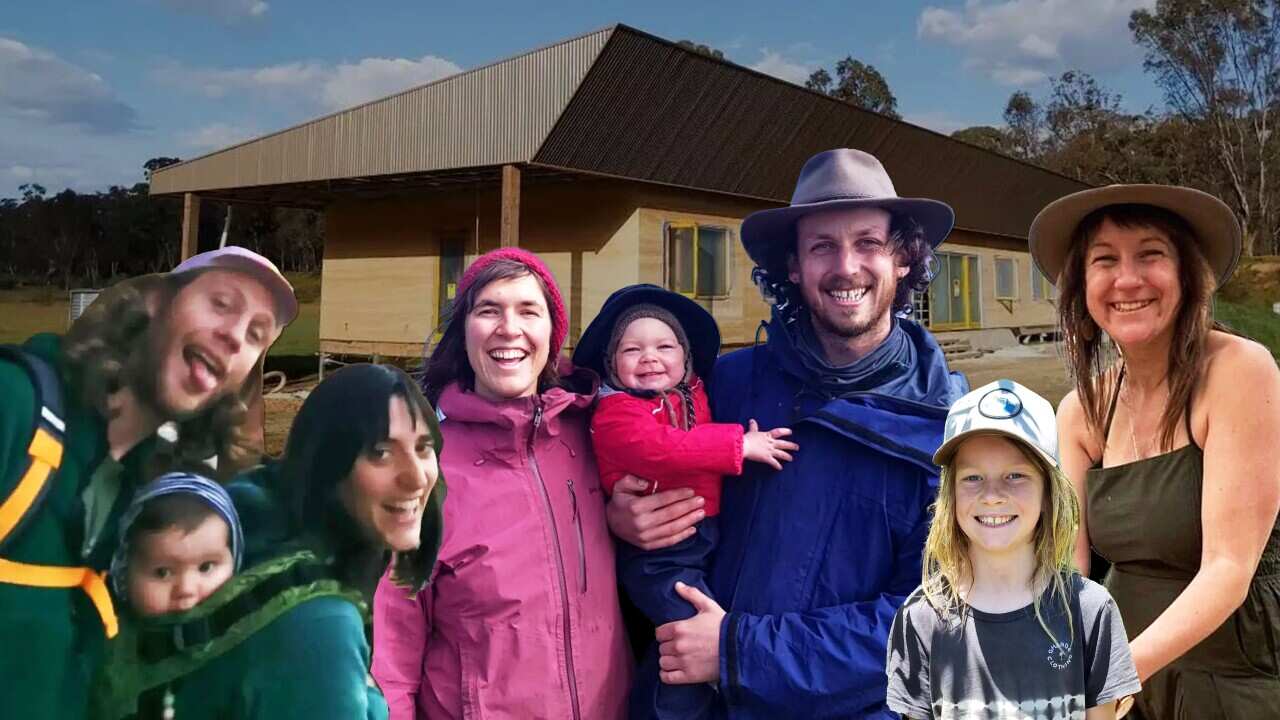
x=1002, y=625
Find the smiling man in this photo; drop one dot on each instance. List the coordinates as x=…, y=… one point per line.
x=78, y=435
x=816, y=557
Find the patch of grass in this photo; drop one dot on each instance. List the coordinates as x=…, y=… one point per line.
x=305, y=285
x=302, y=337
x=1256, y=321
x=27, y=311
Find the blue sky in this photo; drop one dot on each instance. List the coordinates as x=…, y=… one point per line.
x=91, y=90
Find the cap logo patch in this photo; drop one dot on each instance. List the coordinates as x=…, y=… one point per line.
x=1000, y=404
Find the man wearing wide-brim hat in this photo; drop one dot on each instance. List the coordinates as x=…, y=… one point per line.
x=815, y=558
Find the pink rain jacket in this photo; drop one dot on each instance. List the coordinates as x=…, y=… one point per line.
x=522, y=618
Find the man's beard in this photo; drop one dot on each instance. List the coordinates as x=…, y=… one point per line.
x=845, y=332
x=883, y=307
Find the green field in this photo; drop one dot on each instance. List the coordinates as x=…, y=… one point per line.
x=1257, y=321
x=30, y=310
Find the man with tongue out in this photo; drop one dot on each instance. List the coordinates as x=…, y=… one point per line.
x=815, y=558
x=186, y=346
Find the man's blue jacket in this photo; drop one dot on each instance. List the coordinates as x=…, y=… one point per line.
x=815, y=559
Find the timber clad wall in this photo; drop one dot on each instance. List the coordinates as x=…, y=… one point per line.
x=610, y=230
x=1024, y=310
x=740, y=312
x=596, y=235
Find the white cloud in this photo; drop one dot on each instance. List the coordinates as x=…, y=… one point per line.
x=217, y=135
x=54, y=175
x=62, y=156
x=1023, y=42
x=323, y=86
x=775, y=64
x=226, y=10
x=372, y=78
x=41, y=87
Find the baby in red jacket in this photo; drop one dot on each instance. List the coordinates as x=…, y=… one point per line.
x=653, y=421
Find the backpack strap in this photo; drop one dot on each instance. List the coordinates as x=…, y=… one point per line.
x=44, y=453
x=44, y=457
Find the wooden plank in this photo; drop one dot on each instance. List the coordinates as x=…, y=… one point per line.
x=371, y=348
x=379, y=299
x=190, y=225
x=510, y=206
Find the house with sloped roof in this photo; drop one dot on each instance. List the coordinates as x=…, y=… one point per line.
x=619, y=157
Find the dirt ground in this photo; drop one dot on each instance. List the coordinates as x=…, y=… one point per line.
x=280, y=412
x=1036, y=366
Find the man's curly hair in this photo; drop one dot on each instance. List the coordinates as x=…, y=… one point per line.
x=907, y=241
x=111, y=346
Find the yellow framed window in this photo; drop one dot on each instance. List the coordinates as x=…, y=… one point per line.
x=698, y=259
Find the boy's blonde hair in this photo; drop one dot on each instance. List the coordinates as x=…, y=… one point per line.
x=946, y=564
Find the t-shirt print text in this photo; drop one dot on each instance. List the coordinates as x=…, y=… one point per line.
x=1059, y=655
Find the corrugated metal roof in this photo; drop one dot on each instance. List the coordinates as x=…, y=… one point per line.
x=680, y=118
x=492, y=115
x=623, y=103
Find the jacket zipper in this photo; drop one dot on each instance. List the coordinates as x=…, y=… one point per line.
x=564, y=593
x=582, y=551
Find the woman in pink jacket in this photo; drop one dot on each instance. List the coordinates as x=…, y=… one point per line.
x=521, y=619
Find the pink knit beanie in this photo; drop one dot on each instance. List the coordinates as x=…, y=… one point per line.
x=559, y=316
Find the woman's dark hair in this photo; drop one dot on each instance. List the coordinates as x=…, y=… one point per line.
x=343, y=418
x=907, y=242
x=112, y=346
x=1087, y=360
x=448, y=361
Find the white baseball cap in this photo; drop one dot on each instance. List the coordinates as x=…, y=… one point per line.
x=1004, y=408
x=234, y=257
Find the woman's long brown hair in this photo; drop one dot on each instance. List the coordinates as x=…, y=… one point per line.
x=1093, y=368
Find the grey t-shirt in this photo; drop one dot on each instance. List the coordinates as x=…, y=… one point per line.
x=1003, y=666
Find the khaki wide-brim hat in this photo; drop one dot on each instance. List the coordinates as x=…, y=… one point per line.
x=839, y=179
x=1216, y=228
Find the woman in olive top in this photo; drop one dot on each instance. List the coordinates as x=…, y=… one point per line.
x=1173, y=443
x=185, y=346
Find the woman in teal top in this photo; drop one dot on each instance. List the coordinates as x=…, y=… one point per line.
x=289, y=637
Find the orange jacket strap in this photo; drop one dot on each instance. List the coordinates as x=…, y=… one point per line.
x=46, y=455
x=51, y=576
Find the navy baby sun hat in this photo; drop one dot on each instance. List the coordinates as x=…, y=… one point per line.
x=699, y=327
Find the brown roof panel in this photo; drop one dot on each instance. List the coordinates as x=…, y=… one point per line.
x=677, y=117
x=623, y=103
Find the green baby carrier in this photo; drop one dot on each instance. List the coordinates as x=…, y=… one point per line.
x=151, y=654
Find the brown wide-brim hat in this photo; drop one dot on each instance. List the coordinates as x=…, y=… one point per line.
x=1217, y=232
x=838, y=180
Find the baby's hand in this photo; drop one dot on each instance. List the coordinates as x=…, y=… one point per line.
x=767, y=447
